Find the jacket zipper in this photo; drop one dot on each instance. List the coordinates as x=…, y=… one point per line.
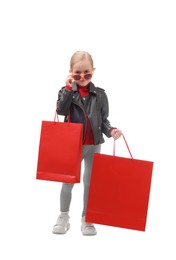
x=85, y=121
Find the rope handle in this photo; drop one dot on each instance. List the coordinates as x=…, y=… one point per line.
x=126, y=146
x=57, y=117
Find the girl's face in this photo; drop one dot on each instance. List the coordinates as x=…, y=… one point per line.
x=82, y=72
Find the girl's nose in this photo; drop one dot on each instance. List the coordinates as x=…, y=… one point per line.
x=82, y=77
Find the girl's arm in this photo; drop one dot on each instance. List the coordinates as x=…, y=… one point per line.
x=107, y=129
x=65, y=97
x=106, y=126
x=64, y=101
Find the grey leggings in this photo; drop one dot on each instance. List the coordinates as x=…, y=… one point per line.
x=66, y=190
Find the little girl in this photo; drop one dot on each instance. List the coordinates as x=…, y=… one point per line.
x=88, y=105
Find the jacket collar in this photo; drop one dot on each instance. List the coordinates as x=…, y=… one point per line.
x=92, y=87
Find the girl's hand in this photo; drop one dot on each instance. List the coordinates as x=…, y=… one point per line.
x=116, y=133
x=69, y=80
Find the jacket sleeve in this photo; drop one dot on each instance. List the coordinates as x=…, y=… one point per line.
x=64, y=101
x=106, y=126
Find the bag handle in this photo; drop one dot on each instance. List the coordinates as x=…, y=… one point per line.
x=56, y=116
x=126, y=146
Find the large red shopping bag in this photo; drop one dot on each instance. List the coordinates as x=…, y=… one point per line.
x=60, y=152
x=119, y=191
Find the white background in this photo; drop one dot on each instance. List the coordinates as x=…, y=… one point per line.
x=133, y=47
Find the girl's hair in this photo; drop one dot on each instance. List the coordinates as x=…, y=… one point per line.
x=80, y=56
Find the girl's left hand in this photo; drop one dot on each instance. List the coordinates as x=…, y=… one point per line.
x=116, y=133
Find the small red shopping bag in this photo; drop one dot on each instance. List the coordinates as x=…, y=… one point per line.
x=119, y=191
x=60, y=152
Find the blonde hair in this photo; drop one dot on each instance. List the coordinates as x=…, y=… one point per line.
x=80, y=56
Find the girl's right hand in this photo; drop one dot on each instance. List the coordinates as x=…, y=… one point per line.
x=69, y=80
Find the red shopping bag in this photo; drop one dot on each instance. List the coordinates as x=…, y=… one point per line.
x=119, y=191
x=60, y=152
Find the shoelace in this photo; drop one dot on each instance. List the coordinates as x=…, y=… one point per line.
x=61, y=220
x=89, y=225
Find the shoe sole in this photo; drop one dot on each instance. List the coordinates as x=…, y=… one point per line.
x=88, y=234
x=61, y=232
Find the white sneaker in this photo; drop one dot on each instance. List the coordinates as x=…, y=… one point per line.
x=88, y=229
x=62, y=224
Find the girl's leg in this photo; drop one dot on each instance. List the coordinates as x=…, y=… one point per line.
x=62, y=224
x=88, y=154
x=65, y=197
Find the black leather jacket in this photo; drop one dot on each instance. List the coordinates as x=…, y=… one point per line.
x=97, y=109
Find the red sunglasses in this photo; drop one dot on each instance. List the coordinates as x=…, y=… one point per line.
x=79, y=76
